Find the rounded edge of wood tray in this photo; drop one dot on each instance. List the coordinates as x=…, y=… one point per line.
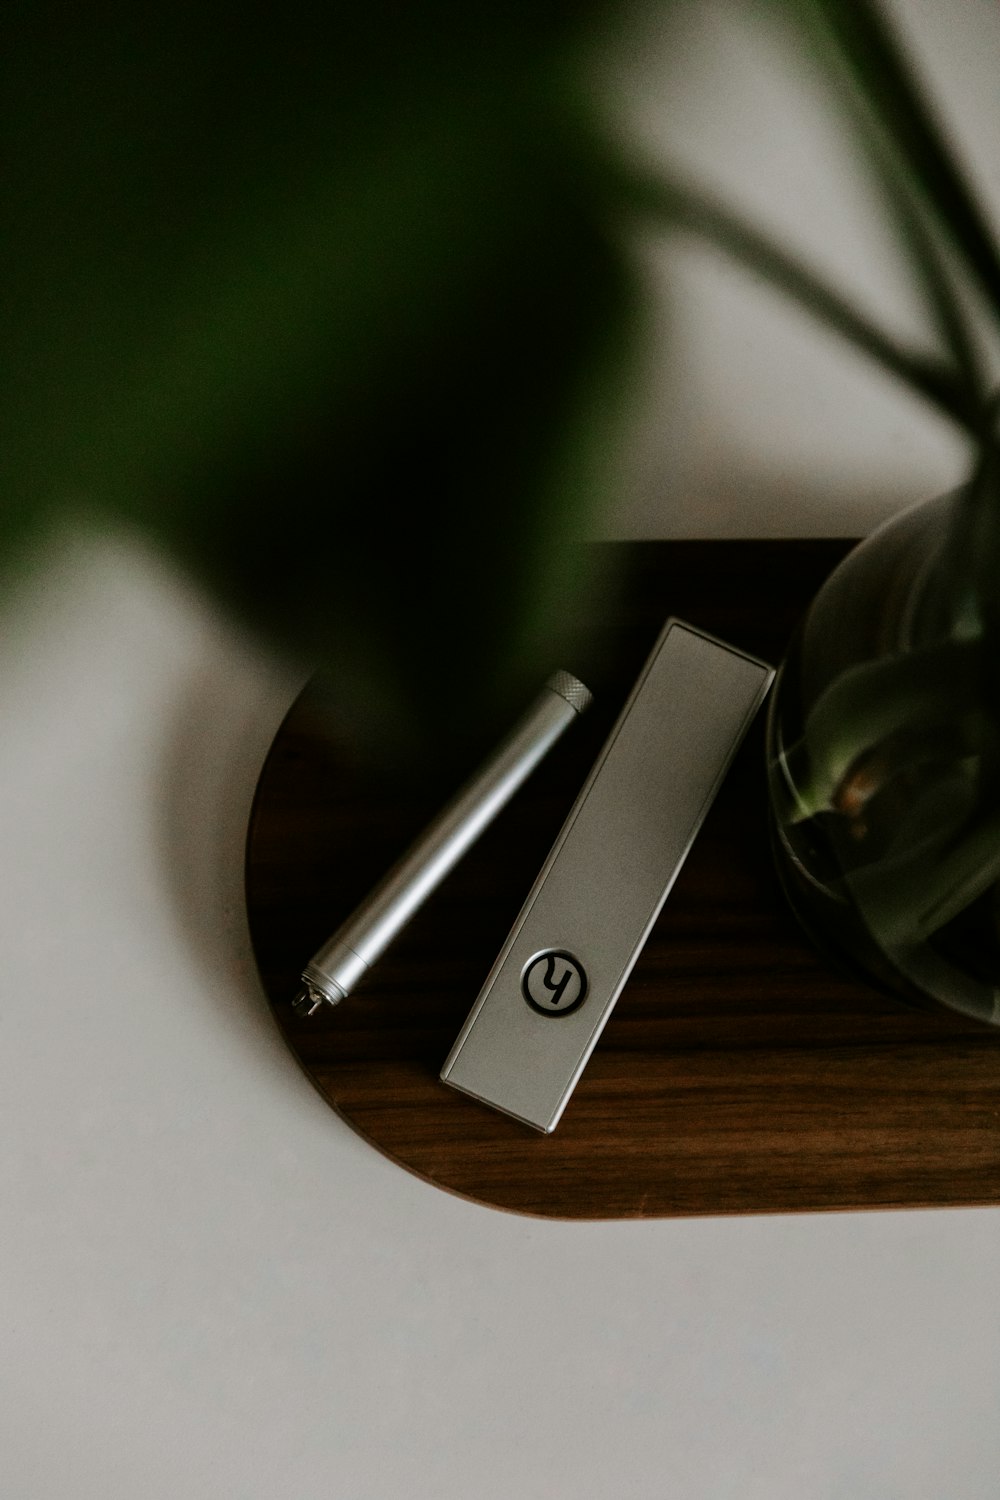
x=736, y=1075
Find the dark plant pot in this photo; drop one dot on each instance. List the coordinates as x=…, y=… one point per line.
x=884, y=764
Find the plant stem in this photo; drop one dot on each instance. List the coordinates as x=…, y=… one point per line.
x=899, y=107
x=690, y=209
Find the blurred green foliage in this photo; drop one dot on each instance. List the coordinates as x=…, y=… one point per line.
x=335, y=302
x=328, y=300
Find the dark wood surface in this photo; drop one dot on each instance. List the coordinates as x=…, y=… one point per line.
x=738, y=1073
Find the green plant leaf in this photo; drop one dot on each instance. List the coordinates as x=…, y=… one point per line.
x=912, y=696
x=329, y=302
x=930, y=877
x=902, y=110
x=666, y=199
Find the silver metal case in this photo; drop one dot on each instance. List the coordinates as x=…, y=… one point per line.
x=553, y=987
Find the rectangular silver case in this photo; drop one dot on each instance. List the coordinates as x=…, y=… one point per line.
x=553, y=987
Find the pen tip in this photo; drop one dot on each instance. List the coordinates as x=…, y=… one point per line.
x=306, y=1002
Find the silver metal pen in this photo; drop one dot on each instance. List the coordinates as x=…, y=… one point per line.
x=338, y=966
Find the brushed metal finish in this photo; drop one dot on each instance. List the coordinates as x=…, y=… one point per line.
x=346, y=956
x=608, y=875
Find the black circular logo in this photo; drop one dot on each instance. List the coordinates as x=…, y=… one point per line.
x=554, y=982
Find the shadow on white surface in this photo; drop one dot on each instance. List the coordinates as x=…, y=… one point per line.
x=224, y=717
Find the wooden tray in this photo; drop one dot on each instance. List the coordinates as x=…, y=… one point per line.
x=738, y=1074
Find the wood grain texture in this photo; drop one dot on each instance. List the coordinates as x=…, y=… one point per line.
x=738, y=1074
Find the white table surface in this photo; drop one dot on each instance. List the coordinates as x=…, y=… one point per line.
x=209, y=1287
